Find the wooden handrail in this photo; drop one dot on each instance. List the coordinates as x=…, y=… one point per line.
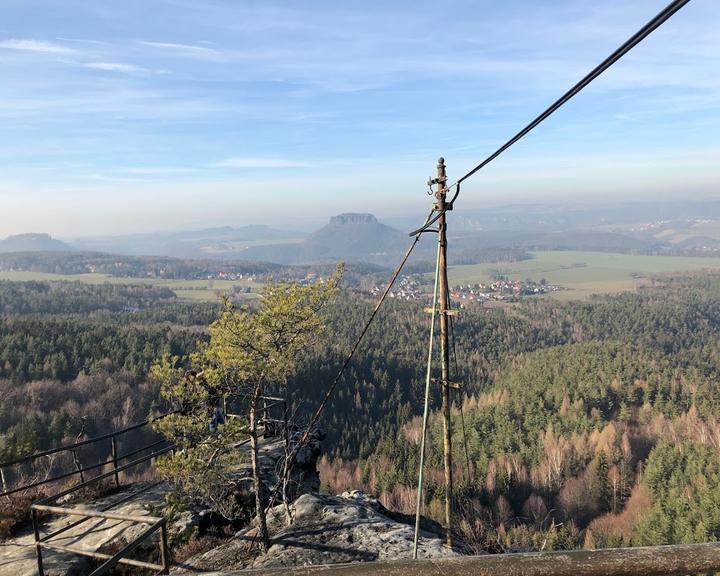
x=154, y=523
x=675, y=560
x=119, y=557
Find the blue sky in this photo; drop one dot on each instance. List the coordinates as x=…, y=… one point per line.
x=129, y=116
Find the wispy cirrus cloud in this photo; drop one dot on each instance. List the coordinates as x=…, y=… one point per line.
x=38, y=46
x=190, y=50
x=115, y=67
x=70, y=55
x=260, y=163
x=82, y=41
x=107, y=178
x=271, y=91
x=155, y=170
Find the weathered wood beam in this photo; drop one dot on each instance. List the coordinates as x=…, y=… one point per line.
x=676, y=560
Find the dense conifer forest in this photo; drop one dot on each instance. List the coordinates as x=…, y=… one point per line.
x=582, y=424
x=589, y=423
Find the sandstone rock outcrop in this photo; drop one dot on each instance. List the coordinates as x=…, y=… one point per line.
x=351, y=527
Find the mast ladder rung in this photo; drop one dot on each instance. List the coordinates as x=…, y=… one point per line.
x=429, y=310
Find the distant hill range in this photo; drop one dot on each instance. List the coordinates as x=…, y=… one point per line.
x=349, y=237
x=574, y=239
x=224, y=242
x=33, y=243
x=560, y=217
x=495, y=234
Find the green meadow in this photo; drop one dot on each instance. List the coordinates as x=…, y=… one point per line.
x=583, y=273
x=197, y=290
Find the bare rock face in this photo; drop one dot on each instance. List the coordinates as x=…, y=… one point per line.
x=304, y=476
x=353, y=218
x=351, y=527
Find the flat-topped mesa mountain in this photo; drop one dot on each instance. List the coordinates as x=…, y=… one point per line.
x=33, y=243
x=353, y=237
x=353, y=218
x=350, y=237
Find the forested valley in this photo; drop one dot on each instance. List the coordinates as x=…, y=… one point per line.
x=579, y=424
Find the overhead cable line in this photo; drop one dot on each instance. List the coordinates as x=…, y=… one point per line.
x=329, y=392
x=426, y=404
x=430, y=220
x=628, y=45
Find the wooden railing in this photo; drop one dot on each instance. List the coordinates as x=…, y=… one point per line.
x=271, y=424
x=152, y=450
x=119, y=557
x=155, y=525
x=274, y=418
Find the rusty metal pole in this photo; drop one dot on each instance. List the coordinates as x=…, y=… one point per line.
x=164, y=552
x=441, y=196
x=38, y=547
x=3, y=484
x=114, y=449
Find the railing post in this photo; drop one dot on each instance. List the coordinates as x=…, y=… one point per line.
x=38, y=548
x=78, y=465
x=265, y=418
x=115, y=460
x=285, y=423
x=286, y=465
x=164, y=552
x=3, y=485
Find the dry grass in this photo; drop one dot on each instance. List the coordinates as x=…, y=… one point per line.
x=96, y=490
x=196, y=546
x=15, y=513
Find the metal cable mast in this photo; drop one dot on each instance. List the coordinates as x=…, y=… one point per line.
x=441, y=293
x=441, y=306
x=441, y=207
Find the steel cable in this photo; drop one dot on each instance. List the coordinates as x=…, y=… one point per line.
x=628, y=45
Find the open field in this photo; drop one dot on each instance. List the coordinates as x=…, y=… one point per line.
x=241, y=245
x=197, y=290
x=583, y=273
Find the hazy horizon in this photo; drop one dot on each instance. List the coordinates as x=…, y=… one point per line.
x=119, y=120
x=408, y=219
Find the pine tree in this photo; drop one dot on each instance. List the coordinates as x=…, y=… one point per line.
x=601, y=483
x=250, y=350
